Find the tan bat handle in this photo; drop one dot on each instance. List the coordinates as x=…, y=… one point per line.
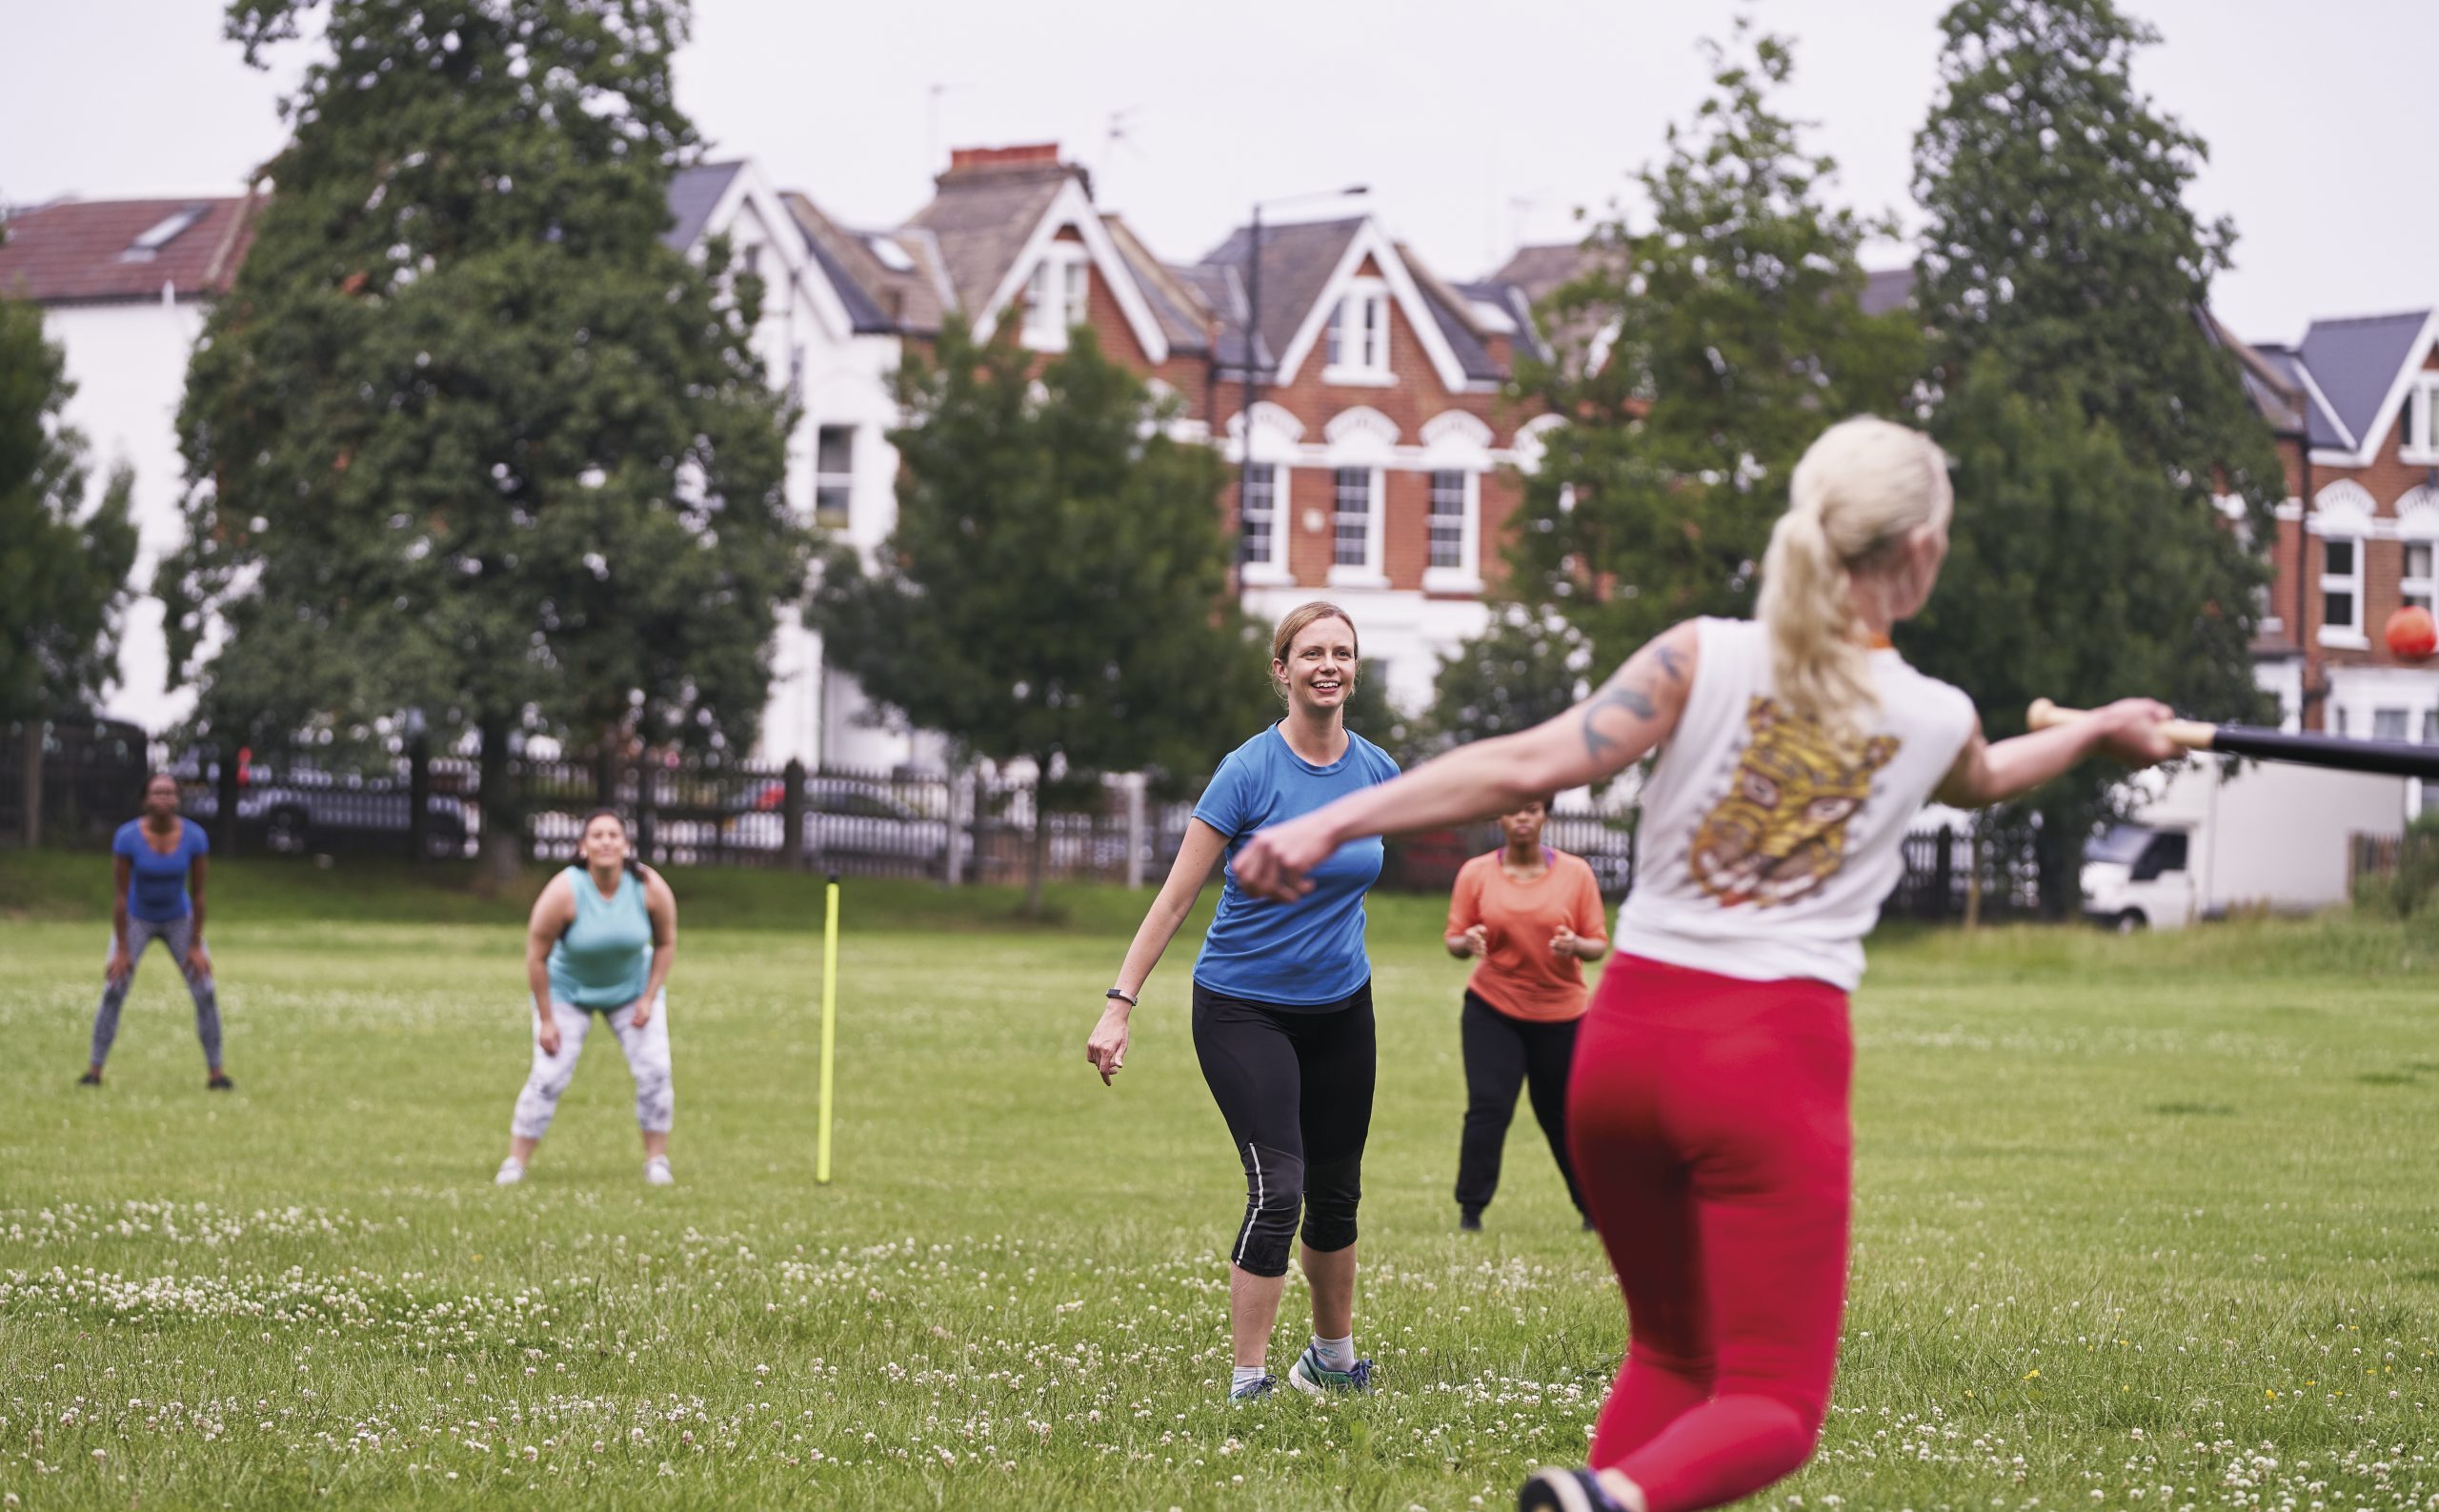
x=2191, y=734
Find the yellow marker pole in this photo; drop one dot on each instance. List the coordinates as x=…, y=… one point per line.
x=828, y=1026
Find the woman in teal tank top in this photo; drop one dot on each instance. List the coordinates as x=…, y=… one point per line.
x=599, y=944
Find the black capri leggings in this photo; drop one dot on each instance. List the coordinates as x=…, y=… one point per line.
x=1294, y=1085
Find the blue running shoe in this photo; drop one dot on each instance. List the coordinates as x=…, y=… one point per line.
x=1252, y=1389
x=1309, y=1376
x=1550, y=1489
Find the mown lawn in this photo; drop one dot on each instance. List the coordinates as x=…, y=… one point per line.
x=2142, y=1223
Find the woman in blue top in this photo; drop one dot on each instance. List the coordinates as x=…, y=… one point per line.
x=160, y=869
x=601, y=941
x=1282, y=1006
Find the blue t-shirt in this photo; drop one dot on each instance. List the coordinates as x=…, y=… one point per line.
x=1310, y=952
x=158, y=892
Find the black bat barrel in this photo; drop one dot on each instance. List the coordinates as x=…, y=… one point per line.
x=2394, y=758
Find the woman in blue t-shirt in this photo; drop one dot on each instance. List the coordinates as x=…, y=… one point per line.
x=159, y=866
x=1282, y=1006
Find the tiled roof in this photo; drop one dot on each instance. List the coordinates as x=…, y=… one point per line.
x=865, y=284
x=1297, y=261
x=1540, y=271
x=1185, y=316
x=981, y=218
x=1458, y=325
x=72, y=251
x=694, y=193
x=2356, y=362
x=1513, y=302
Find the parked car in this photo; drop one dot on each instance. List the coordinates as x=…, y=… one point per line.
x=844, y=820
x=300, y=809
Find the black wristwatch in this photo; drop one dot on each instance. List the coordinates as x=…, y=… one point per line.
x=1122, y=995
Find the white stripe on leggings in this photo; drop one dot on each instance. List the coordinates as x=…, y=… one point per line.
x=1254, y=1215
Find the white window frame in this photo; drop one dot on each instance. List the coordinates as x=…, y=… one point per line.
x=2418, y=588
x=1050, y=295
x=2419, y=443
x=844, y=483
x=1465, y=575
x=1367, y=573
x=1271, y=571
x=2350, y=635
x=1362, y=318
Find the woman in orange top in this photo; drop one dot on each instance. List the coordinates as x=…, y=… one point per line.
x=1532, y=916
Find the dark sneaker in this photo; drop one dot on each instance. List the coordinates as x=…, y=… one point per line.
x=1309, y=1376
x=1252, y=1389
x=1550, y=1489
x=219, y=1083
x=1470, y=1220
x=91, y=1078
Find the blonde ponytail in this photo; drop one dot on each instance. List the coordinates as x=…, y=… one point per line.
x=1864, y=487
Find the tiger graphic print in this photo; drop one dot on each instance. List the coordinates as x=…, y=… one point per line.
x=1780, y=831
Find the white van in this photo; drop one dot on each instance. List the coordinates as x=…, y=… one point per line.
x=2275, y=836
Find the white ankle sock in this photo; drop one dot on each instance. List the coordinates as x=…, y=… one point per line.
x=1336, y=1354
x=1244, y=1376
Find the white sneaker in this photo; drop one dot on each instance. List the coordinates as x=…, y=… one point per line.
x=656, y=1172
x=510, y=1171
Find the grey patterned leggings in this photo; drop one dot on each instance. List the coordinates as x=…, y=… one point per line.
x=647, y=1057
x=177, y=934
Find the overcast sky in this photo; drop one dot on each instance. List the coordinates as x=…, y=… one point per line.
x=1476, y=126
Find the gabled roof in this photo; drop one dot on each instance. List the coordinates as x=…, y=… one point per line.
x=1177, y=303
x=2358, y=363
x=982, y=218
x=2322, y=429
x=1298, y=261
x=1540, y=272
x=2271, y=384
x=1512, y=302
x=115, y=251
x=866, y=286
x=1462, y=329
x=694, y=195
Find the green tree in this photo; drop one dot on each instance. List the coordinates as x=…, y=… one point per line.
x=1527, y=666
x=2056, y=236
x=2062, y=583
x=1056, y=588
x=1718, y=344
x=2092, y=416
x=466, y=436
x=63, y=567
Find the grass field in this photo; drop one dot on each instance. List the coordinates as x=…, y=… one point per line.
x=2141, y=1222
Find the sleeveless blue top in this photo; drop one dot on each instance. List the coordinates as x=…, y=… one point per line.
x=604, y=958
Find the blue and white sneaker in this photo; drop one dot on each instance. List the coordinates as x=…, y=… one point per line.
x=1251, y=1390
x=1550, y=1489
x=1309, y=1376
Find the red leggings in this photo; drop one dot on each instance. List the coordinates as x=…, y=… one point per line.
x=1708, y=1121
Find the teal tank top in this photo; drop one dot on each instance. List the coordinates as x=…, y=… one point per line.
x=604, y=958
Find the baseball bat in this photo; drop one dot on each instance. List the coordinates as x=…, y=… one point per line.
x=2392, y=757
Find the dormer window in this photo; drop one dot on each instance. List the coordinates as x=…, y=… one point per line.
x=1358, y=333
x=2422, y=419
x=1058, y=296
x=144, y=248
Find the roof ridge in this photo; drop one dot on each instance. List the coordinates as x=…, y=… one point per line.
x=2423, y=314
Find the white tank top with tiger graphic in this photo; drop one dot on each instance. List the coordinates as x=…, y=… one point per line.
x=1766, y=847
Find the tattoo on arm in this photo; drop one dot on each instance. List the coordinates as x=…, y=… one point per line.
x=1621, y=692
x=1630, y=689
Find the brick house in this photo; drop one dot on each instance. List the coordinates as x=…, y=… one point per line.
x=1380, y=441
x=2356, y=407
x=1381, y=430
